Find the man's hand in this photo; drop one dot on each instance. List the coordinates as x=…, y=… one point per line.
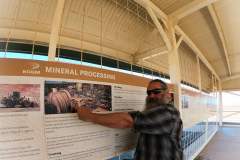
x=84, y=113
x=113, y=120
x=100, y=110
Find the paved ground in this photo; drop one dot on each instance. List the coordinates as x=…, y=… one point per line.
x=225, y=145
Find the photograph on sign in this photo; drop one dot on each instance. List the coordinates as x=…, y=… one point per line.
x=62, y=97
x=19, y=97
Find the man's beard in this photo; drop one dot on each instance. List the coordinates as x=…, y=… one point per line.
x=154, y=102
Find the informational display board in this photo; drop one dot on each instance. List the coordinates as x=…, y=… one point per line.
x=37, y=117
x=198, y=107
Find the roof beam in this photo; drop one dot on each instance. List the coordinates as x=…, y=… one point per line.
x=236, y=76
x=190, y=8
x=157, y=66
x=56, y=24
x=179, y=41
x=150, y=54
x=233, y=93
x=159, y=27
x=156, y=13
x=196, y=50
x=214, y=16
x=160, y=14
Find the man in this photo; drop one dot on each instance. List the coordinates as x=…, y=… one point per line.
x=159, y=125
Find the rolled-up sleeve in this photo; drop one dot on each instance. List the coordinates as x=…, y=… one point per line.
x=159, y=120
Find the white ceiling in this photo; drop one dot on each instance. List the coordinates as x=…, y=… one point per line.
x=123, y=30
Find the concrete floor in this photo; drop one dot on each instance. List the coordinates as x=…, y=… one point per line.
x=225, y=145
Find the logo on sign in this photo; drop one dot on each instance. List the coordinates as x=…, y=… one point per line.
x=32, y=68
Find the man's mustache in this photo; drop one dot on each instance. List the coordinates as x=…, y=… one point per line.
x=153, y=102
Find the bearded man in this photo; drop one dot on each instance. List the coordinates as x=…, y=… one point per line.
x=159, y=125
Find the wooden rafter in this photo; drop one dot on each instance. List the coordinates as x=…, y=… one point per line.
x=150, y=54
x=221, y=35
x=236, y=76
x=56, y=24
x=190, y=8
x=179, y=41
x=196, y=4
x=196, y=50
x=160, y=14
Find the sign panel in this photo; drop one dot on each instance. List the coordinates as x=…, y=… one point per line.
x=38, y=120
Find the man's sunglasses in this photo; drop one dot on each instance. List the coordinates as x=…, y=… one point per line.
x=156, y=91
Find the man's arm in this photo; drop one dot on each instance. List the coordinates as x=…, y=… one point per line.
x=159, y=120
x=113, y=120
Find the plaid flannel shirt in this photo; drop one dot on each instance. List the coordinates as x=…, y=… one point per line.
x=159, y=131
